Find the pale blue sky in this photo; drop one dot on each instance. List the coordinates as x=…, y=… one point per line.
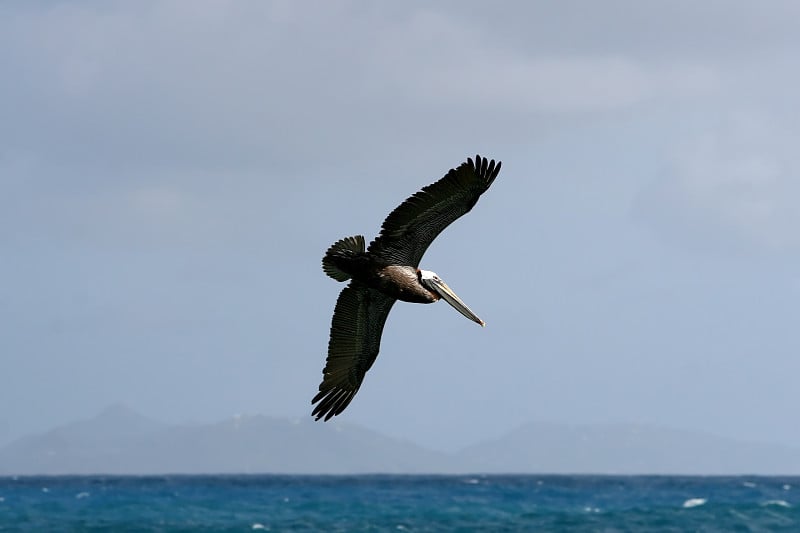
x=172, y=172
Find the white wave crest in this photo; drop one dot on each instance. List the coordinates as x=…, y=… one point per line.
x=779, y=503
x=694, y=502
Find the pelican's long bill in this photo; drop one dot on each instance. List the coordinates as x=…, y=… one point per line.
x=437, y=285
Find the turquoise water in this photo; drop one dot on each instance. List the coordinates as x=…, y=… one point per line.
x=400, y=503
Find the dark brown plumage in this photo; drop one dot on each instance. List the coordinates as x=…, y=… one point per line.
x=388, y=271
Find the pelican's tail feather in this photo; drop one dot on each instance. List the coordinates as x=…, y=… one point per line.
x=342, y=251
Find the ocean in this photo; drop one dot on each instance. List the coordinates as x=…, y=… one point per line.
x=400, y=503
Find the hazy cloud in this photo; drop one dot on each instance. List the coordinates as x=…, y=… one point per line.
x=157, y=84
x=736, y=187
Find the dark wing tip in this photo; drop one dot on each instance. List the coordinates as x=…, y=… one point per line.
x=486, y=169
x=331, y=402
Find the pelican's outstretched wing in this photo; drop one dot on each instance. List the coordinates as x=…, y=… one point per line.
x=356, y=331
x=413, y=225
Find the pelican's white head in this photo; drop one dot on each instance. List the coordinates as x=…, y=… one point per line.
x=427, y=275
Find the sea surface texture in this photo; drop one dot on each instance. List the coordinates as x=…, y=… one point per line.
x=400, y=503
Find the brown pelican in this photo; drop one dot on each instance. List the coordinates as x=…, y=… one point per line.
x=388, y=271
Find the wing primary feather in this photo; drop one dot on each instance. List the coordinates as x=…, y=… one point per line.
x=412, y=226
x=356, y=329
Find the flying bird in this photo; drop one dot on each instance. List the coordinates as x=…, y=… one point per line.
x=388, y=271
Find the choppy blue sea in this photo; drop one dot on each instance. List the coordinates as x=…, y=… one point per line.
x=400, y=503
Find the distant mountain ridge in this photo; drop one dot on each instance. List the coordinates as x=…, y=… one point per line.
x=121, y=441
x=626, y=449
